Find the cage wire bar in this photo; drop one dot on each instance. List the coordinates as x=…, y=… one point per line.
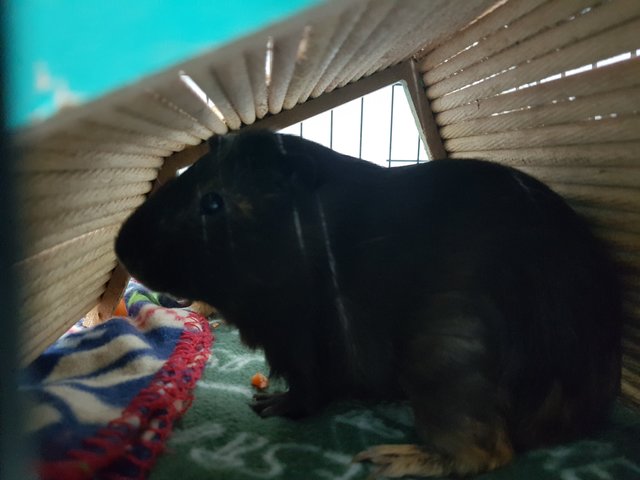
x=393, y=90
x=390, y=161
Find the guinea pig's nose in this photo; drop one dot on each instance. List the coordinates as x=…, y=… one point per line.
x=121, y=244
x=128, y=243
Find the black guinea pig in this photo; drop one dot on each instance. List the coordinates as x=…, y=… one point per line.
x=467, y=288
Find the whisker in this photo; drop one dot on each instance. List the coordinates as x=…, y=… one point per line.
x=299, y=233
x=343, y=315
x=280, y=141
x=205, y=235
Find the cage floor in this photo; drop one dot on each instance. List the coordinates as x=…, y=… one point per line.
x=221, y=438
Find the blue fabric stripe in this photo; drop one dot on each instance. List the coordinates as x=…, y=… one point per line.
x=59, y=437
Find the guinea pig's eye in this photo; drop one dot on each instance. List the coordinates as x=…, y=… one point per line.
x=211, y=203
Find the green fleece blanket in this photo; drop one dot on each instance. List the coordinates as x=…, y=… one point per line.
x=221, y=437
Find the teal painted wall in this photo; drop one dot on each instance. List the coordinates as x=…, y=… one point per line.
x=66, y=51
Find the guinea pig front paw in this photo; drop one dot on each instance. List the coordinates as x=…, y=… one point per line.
x=279, y=404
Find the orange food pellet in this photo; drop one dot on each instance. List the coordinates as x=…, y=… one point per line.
x=121, y=309
x=259, y=381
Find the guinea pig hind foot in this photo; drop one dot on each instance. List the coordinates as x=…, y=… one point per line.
x=395, y=461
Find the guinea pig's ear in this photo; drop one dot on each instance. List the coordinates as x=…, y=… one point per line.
x=219, y=147
x=214, y=143
x=296, y=163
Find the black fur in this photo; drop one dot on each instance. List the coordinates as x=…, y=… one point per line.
x=467, y=286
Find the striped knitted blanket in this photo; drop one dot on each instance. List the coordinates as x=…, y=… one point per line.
x=105, y=398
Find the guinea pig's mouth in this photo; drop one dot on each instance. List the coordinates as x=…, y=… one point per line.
x=137, y=259
x=150, y=280
x=138, y=273
x=152, y=271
